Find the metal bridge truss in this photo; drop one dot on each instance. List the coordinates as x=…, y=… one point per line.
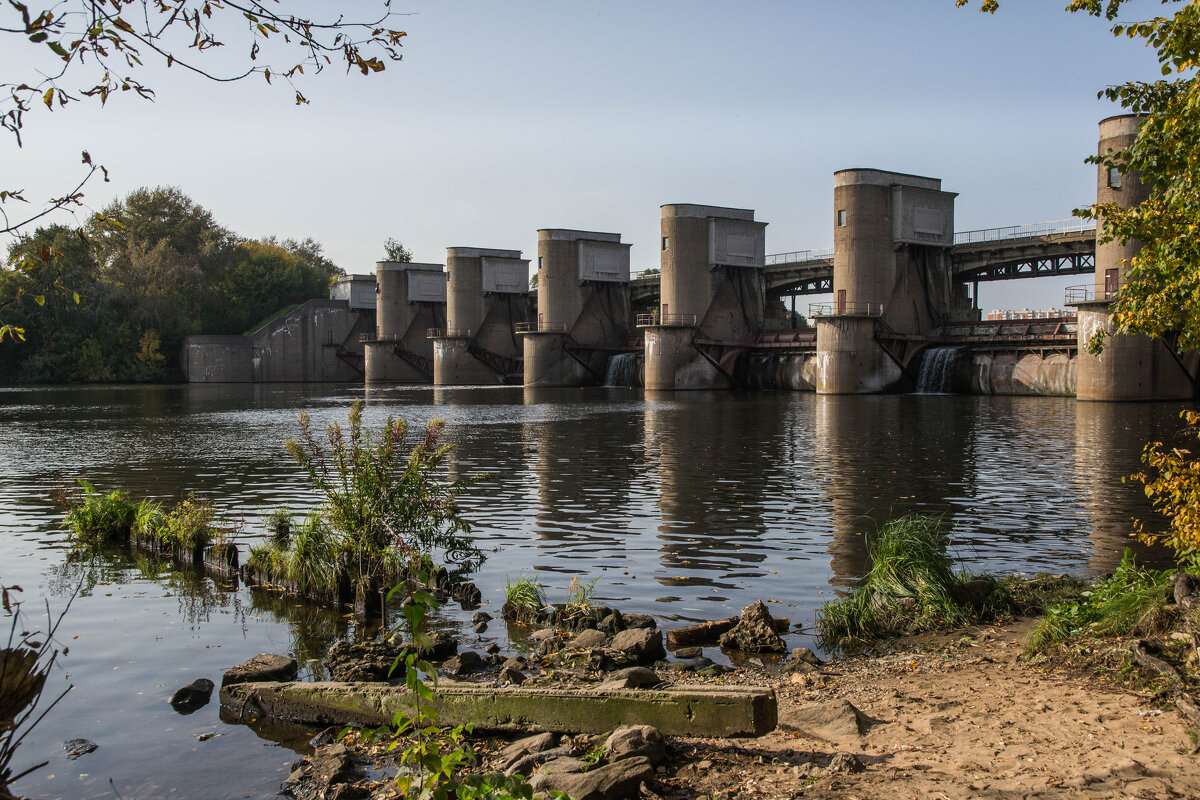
x=1035, y=267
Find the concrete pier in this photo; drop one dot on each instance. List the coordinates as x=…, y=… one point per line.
x=410, y=299
x=584, y=312
x=486, y=298
x=1130, y=367
x=712, y=289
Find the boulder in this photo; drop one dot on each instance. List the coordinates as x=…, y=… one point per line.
x=631, y=678
x=543, y=634
x=611, y=782
x=588, y=639
x=523, y=747
x=550, y=645
x=687, y=653
x=974, y=592
x=75, y=748
x=754, y=633
x=644, y=644
x=462, y=664
x=481, y=616
x=631, y=741
x=263, y=667
x=562, y=764
x=511, y=675
x=372, y=661
x=827, y=721
x=195, y=695
x=331, y=763
x=803, y=661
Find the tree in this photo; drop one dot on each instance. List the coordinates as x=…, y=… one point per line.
x=394, y=250
x=1162, y=294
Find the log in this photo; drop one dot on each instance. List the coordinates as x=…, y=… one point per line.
x=709, y=632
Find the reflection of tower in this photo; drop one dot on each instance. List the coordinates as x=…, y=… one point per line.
x=1108, y=444
x=1130, y=367
x=715, y=459
x=712, y=289
x=882, y=457
x=487, y=295
x=583, y=307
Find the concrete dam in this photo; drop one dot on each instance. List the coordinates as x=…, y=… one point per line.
x=721, y=312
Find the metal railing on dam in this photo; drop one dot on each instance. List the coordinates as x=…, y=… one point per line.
x=845, y=310
x=666, y=320
x=1072, y=225
x=800, y=256
x=448, y=333
x=540, y=327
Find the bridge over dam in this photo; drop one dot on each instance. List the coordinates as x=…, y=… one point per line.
x=900, y=307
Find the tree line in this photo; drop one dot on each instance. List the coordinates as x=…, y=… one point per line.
x=147, y=271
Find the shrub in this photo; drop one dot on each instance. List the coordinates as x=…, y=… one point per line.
x=189, y=524
x=524, y=599
x=149, y=519
x=100, y=517
x=1174, y=491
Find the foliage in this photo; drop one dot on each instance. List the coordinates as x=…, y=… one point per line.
x=909, y=588
x=579, y=596
x=189, y=524
x=279, y=524
x=25, y=663
x=434, y=759
x=1130, y=603
x=1174, y=491
x=1161, y=296
x=100, y=517
x=394, y=250
x=527, y=596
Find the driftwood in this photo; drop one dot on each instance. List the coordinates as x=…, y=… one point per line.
x=1183, y=701
x=709, y=632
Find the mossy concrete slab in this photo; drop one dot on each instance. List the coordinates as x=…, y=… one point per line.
x=715, y=711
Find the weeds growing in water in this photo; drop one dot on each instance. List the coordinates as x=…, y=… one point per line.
x=525, y=598
x=580, y=596
x=100, y=517
x=909, y=588
x=189, y=524
x=1133, y=602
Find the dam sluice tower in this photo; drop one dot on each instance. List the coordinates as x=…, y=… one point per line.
x=711, y=290
x=409, y=300
x=583, y=308
x=487, y=295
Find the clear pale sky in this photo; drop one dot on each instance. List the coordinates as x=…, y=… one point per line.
x=508, y=117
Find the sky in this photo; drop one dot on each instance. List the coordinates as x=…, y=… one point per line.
x=504, y=118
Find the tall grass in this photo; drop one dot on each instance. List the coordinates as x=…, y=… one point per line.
x=100, y=517
x=524, y=599
x=909, y=588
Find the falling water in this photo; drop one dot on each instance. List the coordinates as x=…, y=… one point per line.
x=938, y=370
x=622, y=370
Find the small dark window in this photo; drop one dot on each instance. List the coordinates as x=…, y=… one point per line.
x=1114, y=178
x=666, y=243
x=539, y=262
x=841, y=218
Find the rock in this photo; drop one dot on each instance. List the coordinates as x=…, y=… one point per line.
x=79, y=747
x=827, y=721
x=643, y=643
x=805, y=655
x=193, y=696
x=543, y=634
x=523, y=747
x=611, y=782
x=973, y=592
x=481, y=616
x=562, y=765
x=492, y=649
x=842, y=763
x=468, y=595
x=481, y=627
x=263, y=667
x=462, y=664
x=511, y=675
x=631, y=678
x=588, y=639
x=630, y=741
x=550, y=645
x=689, y=652
x=372, y=661
x=516, y=662
x=754, y=633
x=331, y=763
x=640, y=621
x=348, y=791
x=612, y=623
x=327, y=736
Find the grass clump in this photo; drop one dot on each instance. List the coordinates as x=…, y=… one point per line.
x=580, y=595
x=524, y=599
x=1132, y=602
x=98, y=517
x=911, y=587
x=190, y=524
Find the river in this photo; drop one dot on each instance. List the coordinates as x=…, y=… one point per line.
x=687, y=506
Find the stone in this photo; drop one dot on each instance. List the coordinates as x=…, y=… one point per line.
x=643, y=643
x=631, y=741
x=612, y=623
x=588, y=639
x=687, y=653
x=75, y=748
x=805, y=655
x=550, y=645
x=462, y=664
x=631, y=678
x=263, y=667
x=640, y=621
x=511, y=675
x=611, y=782
x=331, y=763
x=974, y=592
x=372, y=661
x=827, y=721
x=481, y=616
x=481, y=627
x=754, y=633
x=562, y=765
x=192, y=697
x=542, y=634
x=842, y=763
x=492, y=649
x=527, y=746
x=516, y=662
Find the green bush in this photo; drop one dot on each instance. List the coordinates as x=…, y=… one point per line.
x=525, y=599
x=909, y=588
x=100, y=517
x=189, y=524
x=1133, y=602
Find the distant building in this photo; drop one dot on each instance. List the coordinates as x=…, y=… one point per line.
x=998, y=314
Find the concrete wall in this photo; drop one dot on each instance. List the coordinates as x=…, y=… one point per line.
x=217, y=359
x=1029, y=374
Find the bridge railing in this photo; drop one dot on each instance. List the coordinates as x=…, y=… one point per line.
x=845, y=310
x=1073, y=225
x=447, y=333
x=680, y=320
x=541, y=327
x=800, y=256
x=379, y=337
